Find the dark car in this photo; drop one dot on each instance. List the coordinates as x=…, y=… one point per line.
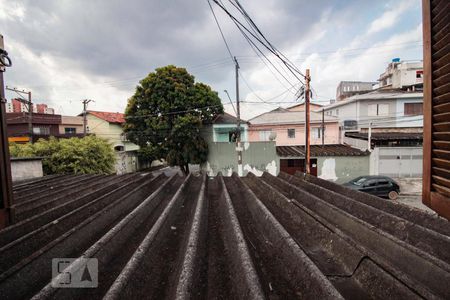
x=381, y=186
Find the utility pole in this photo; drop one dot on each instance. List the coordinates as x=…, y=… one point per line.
x=307, y=124
x=369, y=138
x=6, y=198
x=323, y=127
x=238, y=113
x=85, y=103
x=29, y=105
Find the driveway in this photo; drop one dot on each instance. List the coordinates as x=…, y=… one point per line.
x=411, y=193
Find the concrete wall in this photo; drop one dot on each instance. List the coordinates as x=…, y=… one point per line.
x=126, y=162
x=356, y=143
x=26, y=168
x=341, y=169
x=257, y=157
x=282, y=139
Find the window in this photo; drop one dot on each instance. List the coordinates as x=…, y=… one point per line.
x=372, y=110
x=377, y=110
x=371, y=182
x=384, y=182
x=264, y=135
x=316, y=133
x=413, y=109
x=419, y=74
x=291, y=133
x=231, y=136
x=44, y=130
x=70, y=130
x=337, y=112
x=119, y=148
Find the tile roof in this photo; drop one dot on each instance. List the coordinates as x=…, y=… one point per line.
x=110, y=117
x=319, y=150
x=161, y=237
x=386, y=136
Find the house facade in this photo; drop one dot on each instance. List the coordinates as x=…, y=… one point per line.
x=287, y=127
x=402, y=75
x=224, y=129
x=108, y=125
x=395, y=111
x=347, y=89
x=43, y=126
x=71, y=125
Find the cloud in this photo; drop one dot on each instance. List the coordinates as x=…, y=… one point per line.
x=390, y=17
x=11, y=11
x=65, y=51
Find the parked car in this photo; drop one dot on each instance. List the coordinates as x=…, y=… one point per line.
x=381, y=186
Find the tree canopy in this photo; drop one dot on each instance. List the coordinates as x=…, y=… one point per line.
x=88, y=155
x=165, y=115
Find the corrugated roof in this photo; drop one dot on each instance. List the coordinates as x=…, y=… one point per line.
x=110, y=117
x=289, y=117
x=377, y=95
x=386, y=136
x=319, y=150
x=191, y=237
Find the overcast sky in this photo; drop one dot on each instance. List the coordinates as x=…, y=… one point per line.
x=65, y=51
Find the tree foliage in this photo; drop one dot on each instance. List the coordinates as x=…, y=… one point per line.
x=88, y=155
x=165, y=115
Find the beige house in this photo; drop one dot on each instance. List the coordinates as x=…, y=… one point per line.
x=108, y=125
x=71, y=125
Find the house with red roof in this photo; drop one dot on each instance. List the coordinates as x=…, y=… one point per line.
x=108, y=125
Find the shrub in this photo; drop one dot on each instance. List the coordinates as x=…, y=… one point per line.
x=88, y=155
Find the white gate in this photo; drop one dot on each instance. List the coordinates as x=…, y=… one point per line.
x=398, y=161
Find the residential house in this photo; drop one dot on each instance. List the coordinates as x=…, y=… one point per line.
x=384, y=111
x=224, y=128
x=108, y=125
x=402, y=75
x=71, y=125
x=43, y=126
x=257, y=157
x=287, y=127
x=301, y=107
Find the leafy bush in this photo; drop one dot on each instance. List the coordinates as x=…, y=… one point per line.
x=88, y=155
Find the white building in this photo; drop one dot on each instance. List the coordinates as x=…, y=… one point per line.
x=397, y=111
x=402, y=75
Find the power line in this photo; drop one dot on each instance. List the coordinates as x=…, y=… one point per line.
x=220, y=29
x=274, y=51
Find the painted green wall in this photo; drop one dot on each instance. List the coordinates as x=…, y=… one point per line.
x=257, y=157
x=341, y=169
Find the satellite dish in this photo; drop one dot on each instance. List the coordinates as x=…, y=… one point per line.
x=272, y=136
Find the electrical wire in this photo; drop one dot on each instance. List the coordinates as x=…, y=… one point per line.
x=242, y=27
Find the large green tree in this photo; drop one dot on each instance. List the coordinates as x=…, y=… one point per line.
x=165, y=116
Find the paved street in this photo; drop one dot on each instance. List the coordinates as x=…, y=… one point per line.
x=411, y=193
